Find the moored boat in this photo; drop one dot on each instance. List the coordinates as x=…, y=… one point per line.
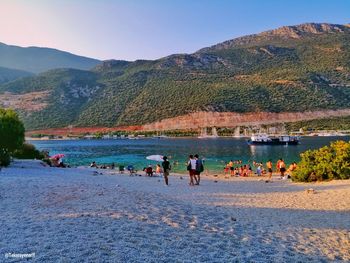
x=264, y=139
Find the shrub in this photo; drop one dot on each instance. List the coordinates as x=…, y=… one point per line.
x=5, y=157
x=11, y=135
x=28, y=151
x=327, y=163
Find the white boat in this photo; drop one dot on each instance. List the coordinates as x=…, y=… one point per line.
x=160, y=136
x=330, y=134
x=265, y=139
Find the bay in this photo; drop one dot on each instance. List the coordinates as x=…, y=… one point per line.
x=217, y=152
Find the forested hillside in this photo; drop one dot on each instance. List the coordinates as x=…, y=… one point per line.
x=291, y=69
x=7, y=74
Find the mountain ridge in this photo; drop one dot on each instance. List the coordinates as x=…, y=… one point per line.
x=22, y=58
x=265, y=74
x=293, y=32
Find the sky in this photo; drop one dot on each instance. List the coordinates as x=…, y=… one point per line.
x=150, y=29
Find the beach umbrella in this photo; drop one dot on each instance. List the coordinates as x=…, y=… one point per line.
x=57, y=156
x=156, y=157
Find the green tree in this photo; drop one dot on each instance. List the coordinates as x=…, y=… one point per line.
x=11, y=135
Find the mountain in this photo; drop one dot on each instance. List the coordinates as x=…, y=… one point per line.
x=280, y=34
x=37, y=59
x=7, y=74
x=292, y=70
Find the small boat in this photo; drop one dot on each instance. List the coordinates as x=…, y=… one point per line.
x=207, y=137
x=160, y=136
x=264, y=139
x=330, y=134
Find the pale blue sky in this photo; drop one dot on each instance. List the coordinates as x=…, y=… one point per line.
x=149, y=29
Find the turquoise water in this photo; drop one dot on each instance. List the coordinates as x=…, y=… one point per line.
x=215, y=151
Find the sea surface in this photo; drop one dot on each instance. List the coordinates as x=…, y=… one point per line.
x=216, y=152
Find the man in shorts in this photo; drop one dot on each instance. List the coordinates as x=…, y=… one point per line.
x=191, y=168
x=199, y=169
x=230, y=164
x=269, y=168
x=166, y=169
x=282, y=168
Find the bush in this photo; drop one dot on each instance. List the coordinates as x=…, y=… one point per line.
x=11, y=135
x=5, y=157
x=28, y=151
x=327, y=163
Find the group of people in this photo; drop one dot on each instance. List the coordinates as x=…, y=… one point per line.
x=163, y=169
x=150, y=171
x=102, y=166
x=195, y=167
x=281, y=168
x=241, y=170
x=246, y=170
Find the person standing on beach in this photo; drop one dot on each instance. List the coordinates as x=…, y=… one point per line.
x=226, y=169
x=282, y=168
x=230, y=164
x=259, y=170
x=278, y=165
x=199, y=169
x=191, y=168
x=158, y=170
x=166, y=169
x=269, y=168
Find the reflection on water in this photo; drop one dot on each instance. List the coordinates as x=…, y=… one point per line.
x=215, y=151
x=262, y=152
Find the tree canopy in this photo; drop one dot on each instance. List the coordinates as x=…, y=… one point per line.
x=11, y=134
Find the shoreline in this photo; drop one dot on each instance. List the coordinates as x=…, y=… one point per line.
x=168, y=137
x=212, y=176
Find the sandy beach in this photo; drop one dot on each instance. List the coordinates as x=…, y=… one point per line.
x=74, y=215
